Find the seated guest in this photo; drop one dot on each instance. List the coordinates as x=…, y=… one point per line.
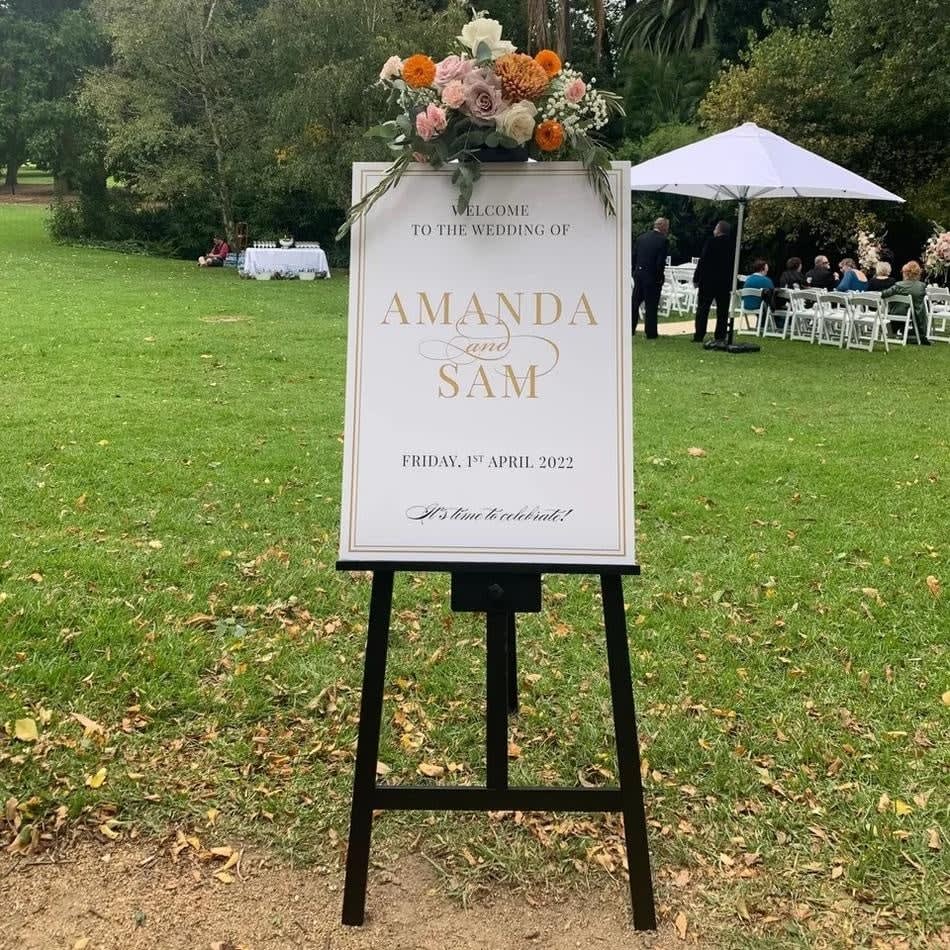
x=217, y=255
x=792, y=277
x=757, y=280
x=882, y=277
x=852, y=278
x=820, y=276
x=913, y=287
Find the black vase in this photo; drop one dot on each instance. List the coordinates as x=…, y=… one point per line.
x=497, y=154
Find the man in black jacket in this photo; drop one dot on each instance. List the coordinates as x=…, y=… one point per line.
x=820, y=277
x=713, y=277
x=649, y=260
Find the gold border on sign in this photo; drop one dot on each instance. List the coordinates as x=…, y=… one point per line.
x=353, y=450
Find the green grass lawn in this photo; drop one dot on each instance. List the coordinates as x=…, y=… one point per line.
x=169, y=496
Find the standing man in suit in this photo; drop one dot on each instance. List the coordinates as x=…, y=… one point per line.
x=649, y=260
x=713, y=277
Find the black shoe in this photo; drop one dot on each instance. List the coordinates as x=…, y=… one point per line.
x=925, y=342
x=698, y=339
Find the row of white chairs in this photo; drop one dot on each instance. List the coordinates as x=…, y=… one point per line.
x=852, y=320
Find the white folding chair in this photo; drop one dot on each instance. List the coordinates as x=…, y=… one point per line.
x=683, y=290
x=900, y=309
x=804, y=319
x=778, y=317
x=938, y=314
x=746, y=321
x=865, y=325
x=832, y=319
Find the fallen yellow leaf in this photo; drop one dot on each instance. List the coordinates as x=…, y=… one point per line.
x=431, y=770
x=901, y=808
x=96, y=780
x=82, y=943
x=90, y=726
x=224, y=877
x=681, y=925
x=514, y=750
x=933, y=585
x=696, y=453
x=25, y=730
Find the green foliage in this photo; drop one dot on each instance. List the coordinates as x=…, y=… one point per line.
x=667, y=26
x=664, y=90
x=843, y=93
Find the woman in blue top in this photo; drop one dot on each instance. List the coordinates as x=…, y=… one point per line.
x=851, y=277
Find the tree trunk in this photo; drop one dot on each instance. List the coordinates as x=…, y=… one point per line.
x=14, y=160
x=224, y=191
x=564, y=31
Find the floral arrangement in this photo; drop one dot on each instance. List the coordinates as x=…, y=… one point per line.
x=869, y=250
x=489, y=96
x=937, y=252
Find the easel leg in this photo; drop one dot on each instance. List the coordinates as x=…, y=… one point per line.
x=512, y=666
x=496, y=699
x=367, y=749
x=628, y=754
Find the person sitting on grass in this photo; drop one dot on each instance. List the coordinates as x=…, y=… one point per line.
x=851, y=277
x=217, y=255
x=911, y=286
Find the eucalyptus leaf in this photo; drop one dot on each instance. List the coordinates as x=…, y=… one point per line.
x=384, y=131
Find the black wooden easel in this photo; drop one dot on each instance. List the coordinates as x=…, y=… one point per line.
x=500, y=591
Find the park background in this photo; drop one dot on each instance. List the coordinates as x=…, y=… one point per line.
x=180, y=660
x=169, y=122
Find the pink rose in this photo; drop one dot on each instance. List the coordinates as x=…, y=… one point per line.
x=482, y=96
x=576, y=89
x=452, y=67
x=454, y=94
x=424, y=127
x=431, y=122
x=437, y=117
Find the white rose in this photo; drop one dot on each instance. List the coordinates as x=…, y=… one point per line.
x=479, y=31
x=391, y=68
x=518, y=121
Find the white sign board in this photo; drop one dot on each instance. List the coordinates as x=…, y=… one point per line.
x=488, y=389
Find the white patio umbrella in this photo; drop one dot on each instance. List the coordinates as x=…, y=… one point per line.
x=747, y=163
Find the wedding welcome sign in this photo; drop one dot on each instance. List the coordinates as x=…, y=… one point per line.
x=489, y=383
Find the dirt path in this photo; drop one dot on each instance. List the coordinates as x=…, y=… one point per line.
x=141, y=897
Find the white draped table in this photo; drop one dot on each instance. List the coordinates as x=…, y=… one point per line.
x=285, y=261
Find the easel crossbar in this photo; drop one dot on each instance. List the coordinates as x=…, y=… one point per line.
x=476, y=798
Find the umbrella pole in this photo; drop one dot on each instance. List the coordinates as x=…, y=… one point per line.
x=735, y=264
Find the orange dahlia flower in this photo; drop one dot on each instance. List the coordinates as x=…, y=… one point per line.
x=549, y=61
x=549, y=135
x=521, y=77
x=418, y=71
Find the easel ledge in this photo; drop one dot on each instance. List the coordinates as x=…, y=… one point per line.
x=481, y=567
